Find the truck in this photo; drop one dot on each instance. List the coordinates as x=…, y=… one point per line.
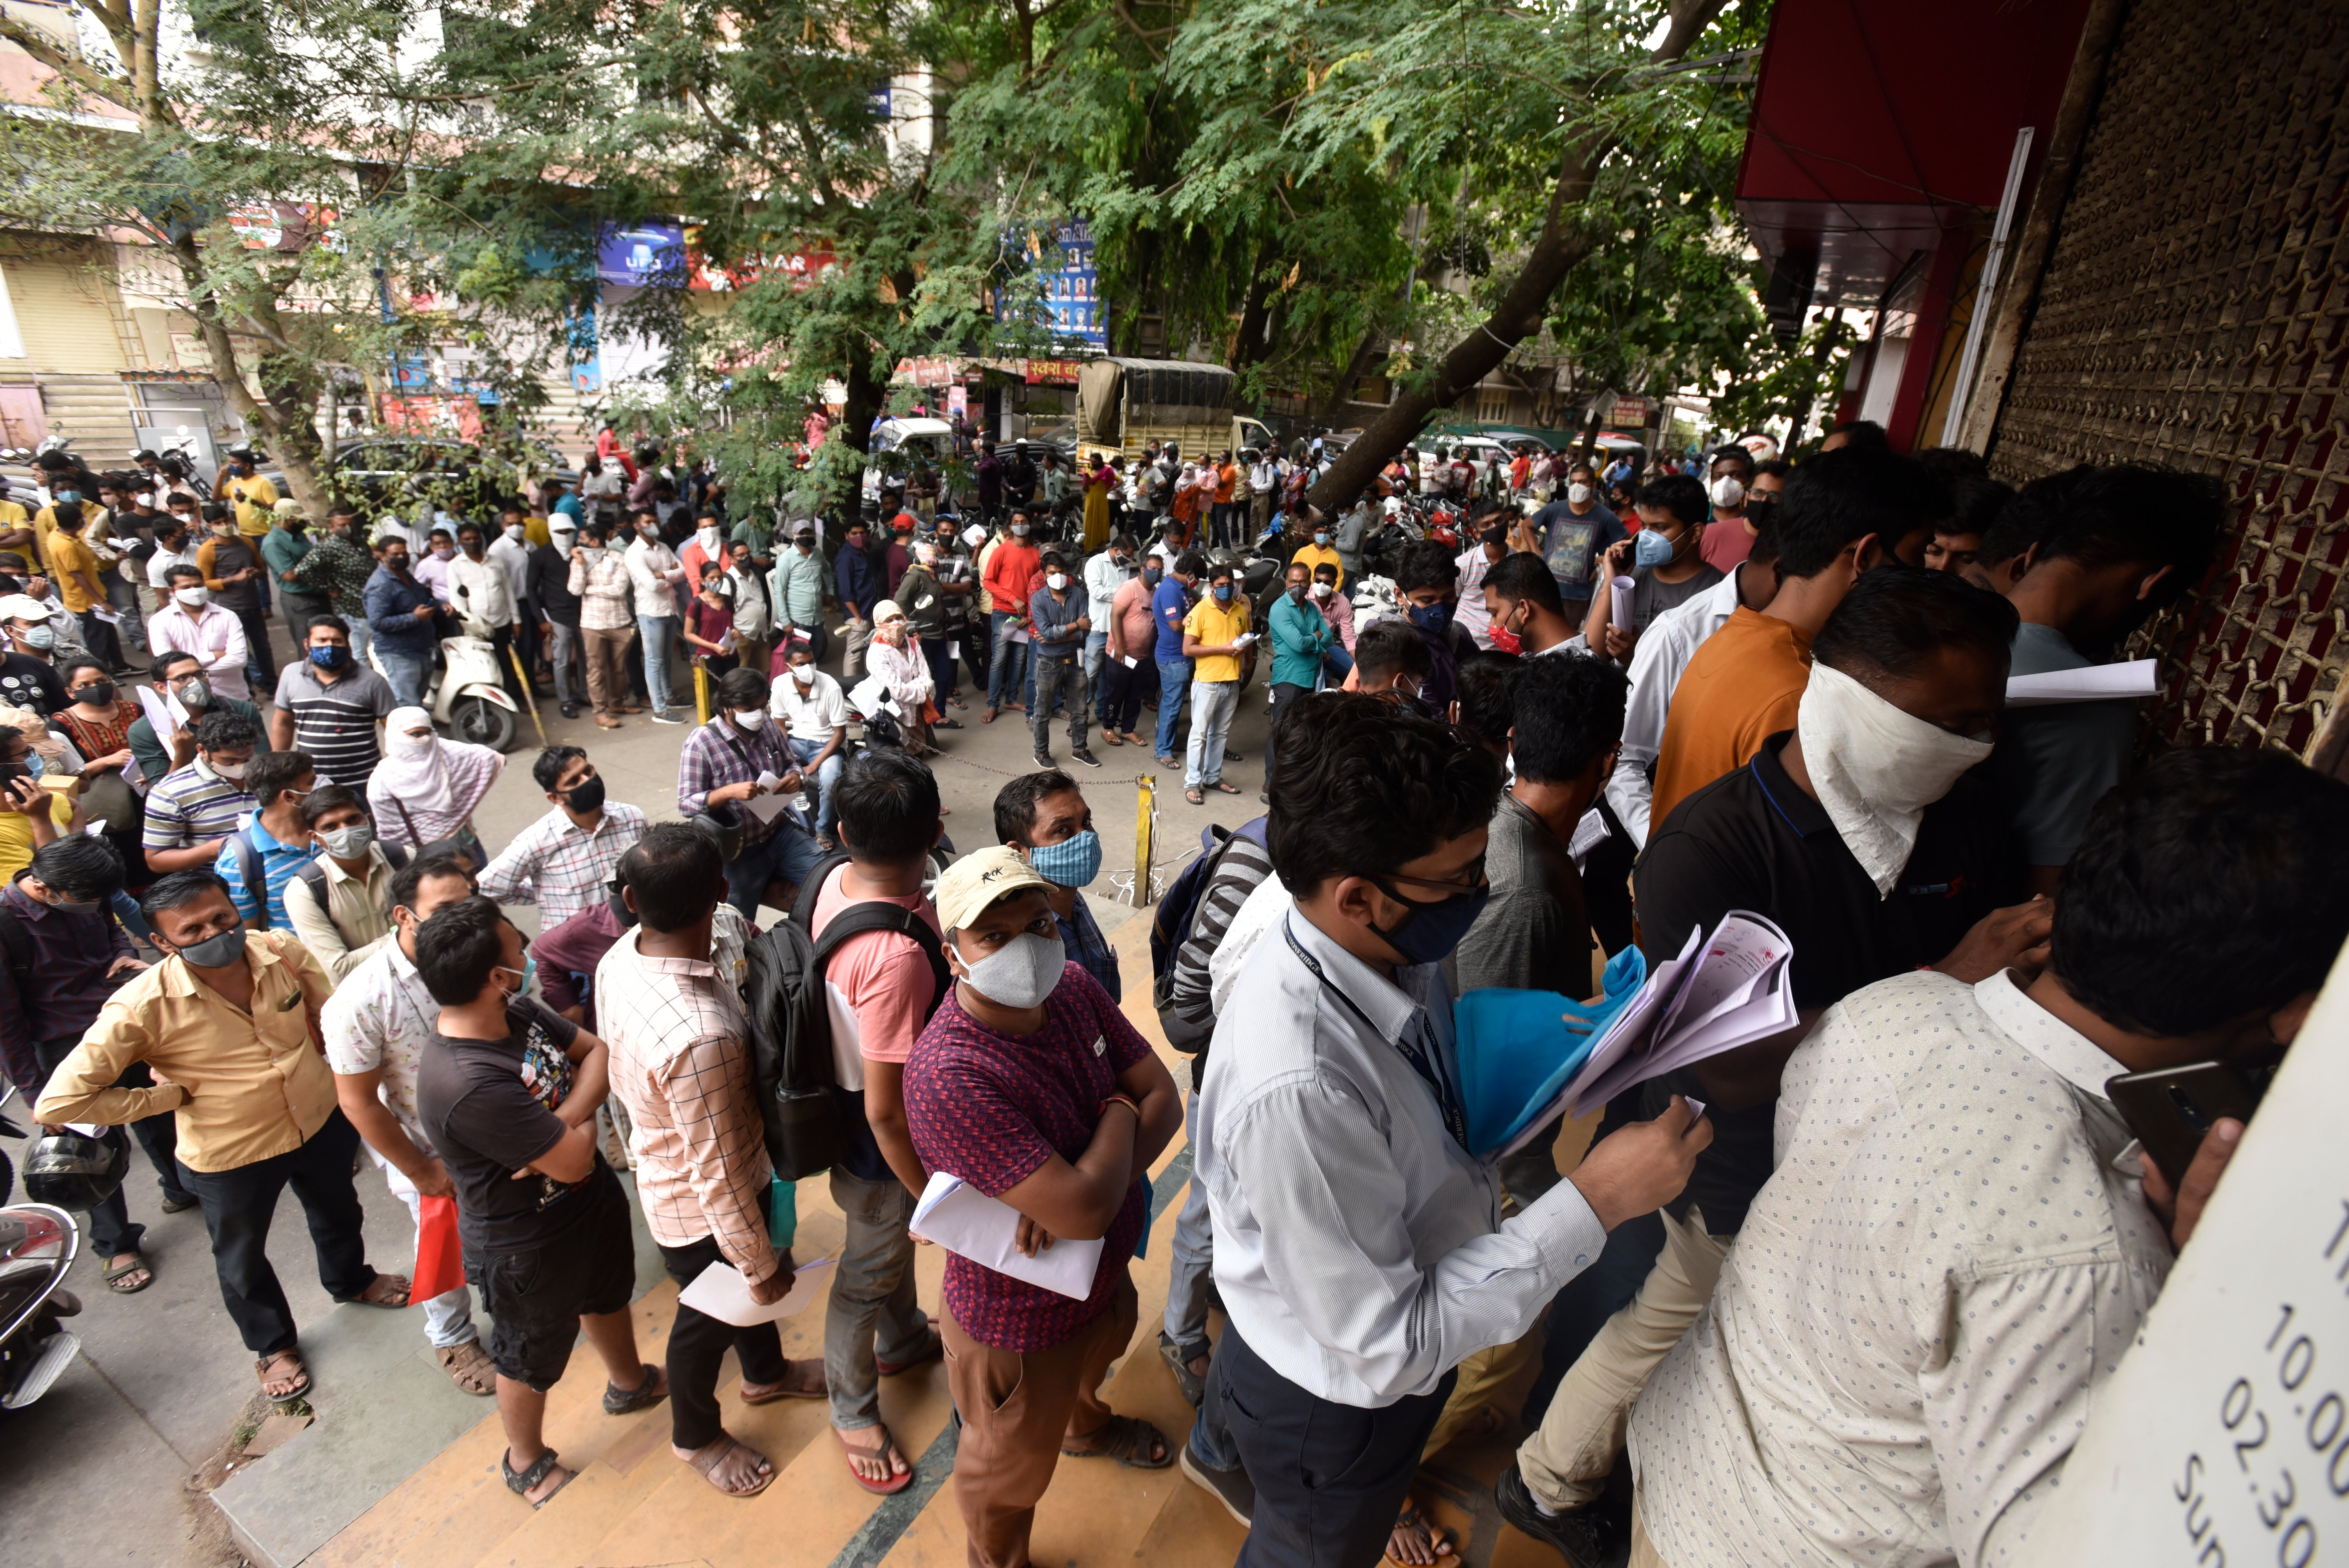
x=1124, y=405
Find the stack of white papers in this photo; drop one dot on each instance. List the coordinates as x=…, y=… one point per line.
x=1725, y=991
x=2134, y=677
x=970, y=1224
x=720, y=1292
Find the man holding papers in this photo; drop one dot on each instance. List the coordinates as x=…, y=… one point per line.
x=1029, y=1085
x=1360, y=1247
x=681, y=1064
x=1858, y=835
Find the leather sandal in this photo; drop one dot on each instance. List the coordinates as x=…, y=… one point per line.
x=618, y=1401
x=519, y=1482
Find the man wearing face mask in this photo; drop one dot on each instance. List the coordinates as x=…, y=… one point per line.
x=796, y=588
x=1170, y=607
x=269, y=850
x=337, y=568
x=480, y=589
x=401, y=613
x=432, y=567
x=1729, y=487
x=192, y=810
x=1320, y=549
x=191, y=624
x=1426, y=582
x=736, y=759
x=1474, y=563
x=28, y=675
x=229, y=563
x=1663, y=560
x=1744, y=684
x=546, y=588
x=2123, y=542
x=180, y=678
x=1860, y=836
x=1215, y=636
x=1043, y=816
x=1031, y=1085
x=1058, y=613
x=1571, y=534
x=1105, y=574
x=1009, y=571
x=1129, y=664
x=330, y=706
x=175, y=545
x=339, y=904
x=1358, y=1244
x=65, y=954
x=227, y=1024
x=1301, y=641
x=562, y=861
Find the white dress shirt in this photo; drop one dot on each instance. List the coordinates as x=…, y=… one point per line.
x=1663, y=651
x=653, y=570
x=478, y=589
x=213, y=634
x=512, y=557
x=813, y=714
x=1103, y=578
x=1950, y=1260
x=1358, y=1249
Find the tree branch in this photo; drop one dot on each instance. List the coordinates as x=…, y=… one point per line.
x=121, y=94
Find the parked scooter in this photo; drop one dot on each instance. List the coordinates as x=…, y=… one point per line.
x=467, y=695
x=37, y=1245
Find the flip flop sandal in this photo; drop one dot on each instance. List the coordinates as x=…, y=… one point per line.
x=895, y=1484
x=292, y=1359
x=948, y=724
x=1194, y=796
x=361, y=1299
x=473, y=1373
x=1193, y=1386
x=519, y=1482
x=708, y=1457
x=618, y=1401
x=118, y=1272
x=934, y=1349
x=785, y=1391
x=1127, y=1439
x=1220, y=788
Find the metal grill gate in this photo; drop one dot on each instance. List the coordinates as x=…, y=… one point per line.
x=2192, y=313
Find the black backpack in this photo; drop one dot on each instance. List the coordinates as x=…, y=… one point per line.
x=1178, y=907
x=811, y=1123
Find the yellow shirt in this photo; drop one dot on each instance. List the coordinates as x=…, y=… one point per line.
x=16, y=836
x=253, y=498
x=69, y=555
x=246, y=1087
x=94, y=525
x=1317, y=556
x=1215, y=626
x=534, y=527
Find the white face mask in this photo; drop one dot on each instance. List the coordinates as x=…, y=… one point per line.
x=1727, y=491
x=232, y=771
x=1579, y=495
x=1020, y=974
x=1056, y=581
x=514, y=531
x=749, y=719
x=407, y=745
x=1876, y=767
x=707, y=538
x=1320, y=590
x=803, y=674
x=192, y=598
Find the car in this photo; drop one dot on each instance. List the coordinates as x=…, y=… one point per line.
x=393, y=472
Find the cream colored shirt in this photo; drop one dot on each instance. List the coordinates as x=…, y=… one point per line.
x=1948, y=1263
x=356, y=918
x=246, y=1086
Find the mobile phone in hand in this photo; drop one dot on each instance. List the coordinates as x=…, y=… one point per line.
x=2172, y=1109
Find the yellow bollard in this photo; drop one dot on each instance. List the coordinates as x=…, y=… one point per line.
x=701, y=691
x=1145, y=809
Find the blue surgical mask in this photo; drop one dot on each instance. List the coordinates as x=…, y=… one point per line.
x=1436, y=618
x=34, y=765
x=1222, y=593
x=1072, y=863
x=1649, y=548
x=1321, y=538
x=529, y=974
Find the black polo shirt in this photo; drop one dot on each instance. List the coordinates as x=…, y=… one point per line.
x=1751, y=839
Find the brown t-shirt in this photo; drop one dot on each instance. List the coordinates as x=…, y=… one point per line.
x=1743, y=685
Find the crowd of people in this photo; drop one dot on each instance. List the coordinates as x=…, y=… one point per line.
x=1778, y=689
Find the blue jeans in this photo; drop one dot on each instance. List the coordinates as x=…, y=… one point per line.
x=361, y=636
x=1174, y=683
x=1010, y=658
x=660, y=633
x=407, y=675
x=827, y=812
x=785, y=855
x=1096, y=651
x=1338, y=664
x=1190, y=1278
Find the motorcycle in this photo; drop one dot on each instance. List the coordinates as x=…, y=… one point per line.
x=467, y=694
x=37, y=1246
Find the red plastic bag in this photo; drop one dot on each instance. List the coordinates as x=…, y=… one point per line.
x=440, y=1257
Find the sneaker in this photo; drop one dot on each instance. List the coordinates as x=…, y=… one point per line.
x=1231, y=1487
x=1087, y=758
x=1589, y=1537
x=663, y=716
x=571, y=710
x=1044, y=759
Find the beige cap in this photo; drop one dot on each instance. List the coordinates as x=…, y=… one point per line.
x=966, y=887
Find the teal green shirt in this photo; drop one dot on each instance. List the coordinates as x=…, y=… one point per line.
x=282, y=549
x=1299, y=638
x=759, y=536
x=799, y=583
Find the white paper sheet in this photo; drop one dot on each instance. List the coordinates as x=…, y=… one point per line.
x=954, y=648
x=871, y=695
x=1589, y=834
x=720, y=1292
x=1020, y=634
x=767, y=808
x=1619, y=604
x=2130, y=678
x=970, y=1224
x=1130, y=661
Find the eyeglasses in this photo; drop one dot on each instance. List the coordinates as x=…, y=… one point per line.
x=1470, y=880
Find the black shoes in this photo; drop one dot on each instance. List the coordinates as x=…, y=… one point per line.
x=1231, y=1487
x=1044, y=759
x=1085, y=756
x=1596, y=1536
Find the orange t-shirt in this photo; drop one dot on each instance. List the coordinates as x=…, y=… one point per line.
x=1227, y=477
x=1743, y=685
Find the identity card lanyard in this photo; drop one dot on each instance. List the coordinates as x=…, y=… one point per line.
x=1455, y=1120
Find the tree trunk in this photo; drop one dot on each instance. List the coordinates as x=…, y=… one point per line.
x=1368, y=352
x=1554, y=255
x=1250, y=345
x=866, y=394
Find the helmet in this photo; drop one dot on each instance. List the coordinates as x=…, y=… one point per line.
x=1395, y=506
x=74, y=1170
x=724, y=823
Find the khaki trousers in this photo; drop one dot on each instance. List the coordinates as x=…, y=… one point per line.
x=1566, y=1463
x=608, y=676
x=1481, y=1378
x=1018, y=1410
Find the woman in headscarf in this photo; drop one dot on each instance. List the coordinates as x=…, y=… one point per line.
x=897, y=662
x=1097, y=484
x=425, y=788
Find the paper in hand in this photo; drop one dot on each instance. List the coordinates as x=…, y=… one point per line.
x=720, y=1292
x=970, y=1224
